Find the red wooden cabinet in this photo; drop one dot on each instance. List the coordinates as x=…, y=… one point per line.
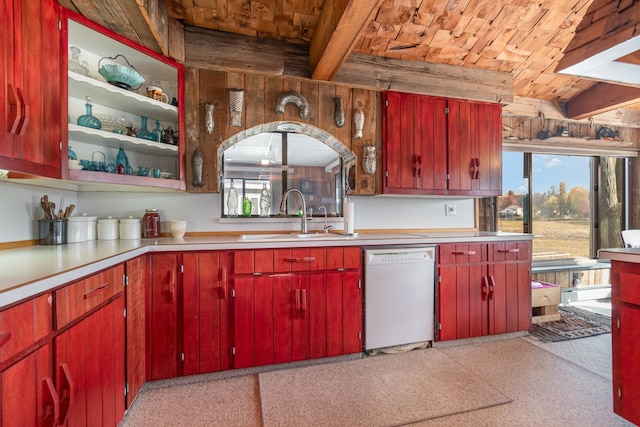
x=625, y=322
x=31, y=103
x=206, y=296
x=28, y=392
x=89, y=360
x=484, y=289
x=136, y=324
x=165, y=359
x=441, y=146
x=296, y=304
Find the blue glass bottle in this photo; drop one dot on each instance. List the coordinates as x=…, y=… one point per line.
x=144, y=132
x=72, y=155
x=121, y=159
x=87, y=119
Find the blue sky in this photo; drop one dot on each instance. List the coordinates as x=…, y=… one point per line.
x=548, y=170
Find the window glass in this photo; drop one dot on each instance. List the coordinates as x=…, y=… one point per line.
x=512, y=204
x=561, y=206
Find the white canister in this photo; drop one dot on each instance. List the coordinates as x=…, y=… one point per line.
x=107, y=228
x=77, y=229
x=92, y=227
x=130, y=228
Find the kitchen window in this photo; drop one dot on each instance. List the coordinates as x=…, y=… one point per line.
x=573, y=204
x=278, y=161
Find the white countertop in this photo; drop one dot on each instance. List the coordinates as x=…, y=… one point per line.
x=620, y=254
x=26, y=272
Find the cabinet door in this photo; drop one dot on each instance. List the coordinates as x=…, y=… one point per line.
x=300, y=317
x=414, y=128
x=136, y=320
x=352, y=310
x=629, y=368
x=28, y=392
x=163, y=309
x=206, y=295
x=90, y=370
x=474, y=148
x=33, y=116
x=462, y=291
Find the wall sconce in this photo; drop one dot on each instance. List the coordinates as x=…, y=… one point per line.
x=236, y=102
x=358, y=119
x=338, y=116
x=208, y=117
x=369, y=159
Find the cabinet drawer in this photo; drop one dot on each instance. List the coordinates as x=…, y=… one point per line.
x=344, y=258
x=511, y=251
x=300, y=259
x=79, y=298
x=24, y=324
x=462, y=253
x=545, y=295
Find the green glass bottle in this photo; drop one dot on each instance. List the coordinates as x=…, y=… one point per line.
x=246, y=207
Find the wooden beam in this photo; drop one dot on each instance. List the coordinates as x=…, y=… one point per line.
x=601, y=98
x=426, y=78
x=339, y=25
x=540, y=109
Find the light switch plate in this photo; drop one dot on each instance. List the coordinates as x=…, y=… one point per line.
x=450, y=209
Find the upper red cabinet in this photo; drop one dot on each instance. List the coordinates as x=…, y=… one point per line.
x=30, y=92
x=441, y=146
x=140, y=128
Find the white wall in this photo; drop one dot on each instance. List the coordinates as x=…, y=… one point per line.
x=21, y=210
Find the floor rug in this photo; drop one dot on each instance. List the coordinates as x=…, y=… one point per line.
x=383, y=390
x=574, y=323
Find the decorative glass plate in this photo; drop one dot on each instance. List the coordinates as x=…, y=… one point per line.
x=124, y=76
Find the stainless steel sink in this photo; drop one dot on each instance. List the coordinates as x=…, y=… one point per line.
x=293, y=236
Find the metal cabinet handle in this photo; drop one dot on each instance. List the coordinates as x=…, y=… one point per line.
x=4, y=338
x=172, y=286
x=509, y=251
x=485, y=288
x=97, y=291
x=15, y=109
x=50, y=402
x=65, y=390
x=463, y=253
x=25, y=114
x=492, y=286
x=301, y=259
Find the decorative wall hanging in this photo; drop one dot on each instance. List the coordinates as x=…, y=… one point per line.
x=236, y=102
x=197, y=163
x=208, y=118
x=293, y=98
x=369, y=159
x=338, y=116
x=358, y=120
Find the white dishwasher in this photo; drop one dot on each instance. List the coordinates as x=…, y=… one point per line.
x=398, y=296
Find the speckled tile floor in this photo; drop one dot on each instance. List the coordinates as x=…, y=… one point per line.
x=555, y=384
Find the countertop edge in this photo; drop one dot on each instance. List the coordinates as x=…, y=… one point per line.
x=115, y=252
x=620, y=254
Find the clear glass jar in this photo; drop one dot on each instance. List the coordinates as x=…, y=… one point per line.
x=151, y=224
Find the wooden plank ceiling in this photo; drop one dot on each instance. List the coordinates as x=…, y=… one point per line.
x=526, y=38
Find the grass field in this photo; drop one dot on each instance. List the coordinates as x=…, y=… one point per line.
x=564, y=238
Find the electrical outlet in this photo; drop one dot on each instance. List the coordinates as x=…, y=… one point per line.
x=450, y=209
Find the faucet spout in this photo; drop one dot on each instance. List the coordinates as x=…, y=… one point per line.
x=283, y=210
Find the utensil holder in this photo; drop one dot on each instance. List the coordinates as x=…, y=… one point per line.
x=53, y=232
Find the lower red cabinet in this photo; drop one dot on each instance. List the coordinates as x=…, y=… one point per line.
x=282, y=313
x=29, y=397
x=89, y=368
x=484, y=289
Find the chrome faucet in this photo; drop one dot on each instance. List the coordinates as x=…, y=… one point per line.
x=326, y=227
x=303, y=217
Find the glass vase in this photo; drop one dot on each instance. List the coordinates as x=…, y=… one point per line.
x=246, y=207
x=87, y=120
x=232, y=201
x=265, y=201
x=144, y=132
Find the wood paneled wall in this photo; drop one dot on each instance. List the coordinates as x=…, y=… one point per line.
x=261, y=94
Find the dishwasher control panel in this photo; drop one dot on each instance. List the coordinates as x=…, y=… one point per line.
x=402, y=256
